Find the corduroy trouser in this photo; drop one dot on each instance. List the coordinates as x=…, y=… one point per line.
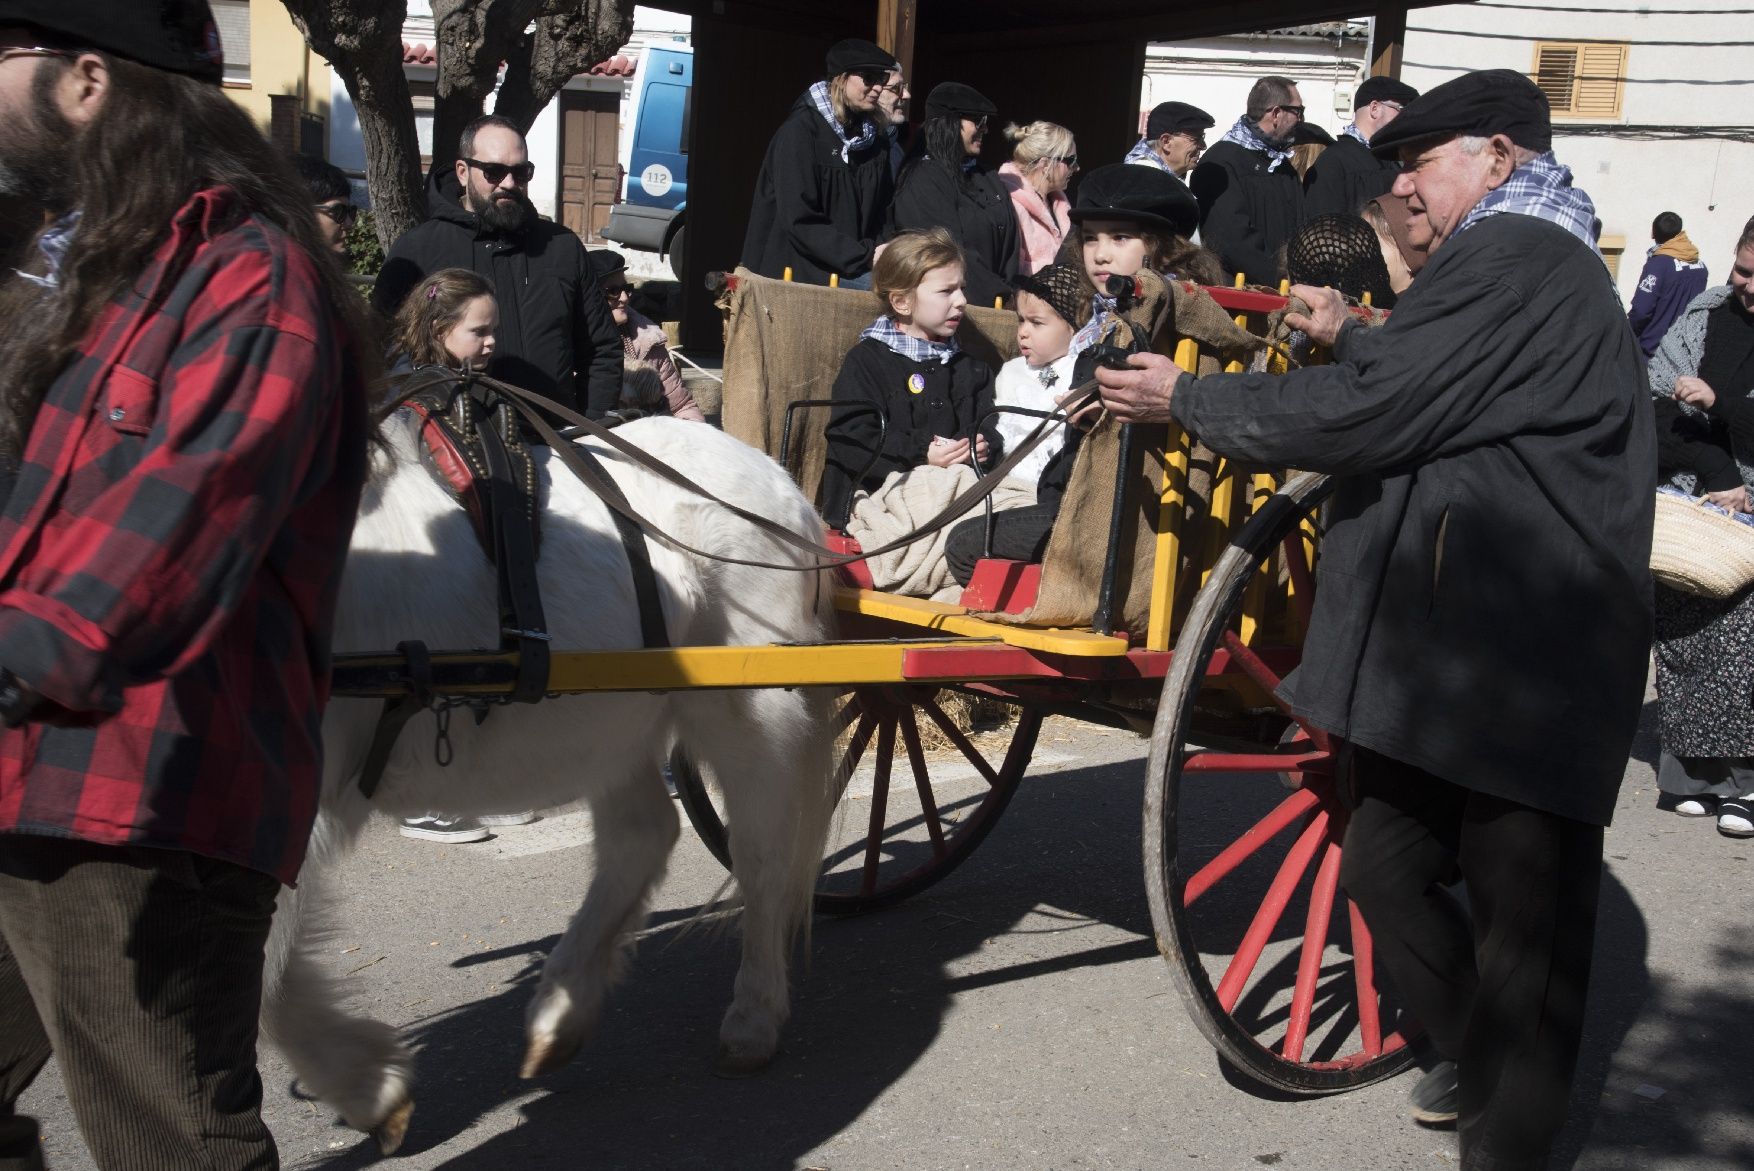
x=141, y=970
x=1499, y=986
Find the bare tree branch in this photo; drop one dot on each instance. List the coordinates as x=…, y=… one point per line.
x=570, y=36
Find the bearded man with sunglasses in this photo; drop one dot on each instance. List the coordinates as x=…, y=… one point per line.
x=1251, y=198
x=556, y=336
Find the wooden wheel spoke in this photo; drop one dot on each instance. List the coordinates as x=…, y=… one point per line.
x=916, y=756
x=879, y=805
x=849, y=711
x=1302, y=577
x=1268, y=680
x=955, y=735
x=849, y=763
x=1272, y=909
x=1315, y=942
x=1364, y=979
x=1256, y=836
x=1254, y=762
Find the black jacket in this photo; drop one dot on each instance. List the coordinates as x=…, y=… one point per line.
x=1483, y=597
x=978, y=213
x=813, y=211
x=555, y=329
x=956, y=395
x=1247, y=213
x=1344, y=178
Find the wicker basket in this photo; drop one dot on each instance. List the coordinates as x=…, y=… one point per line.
x=1699, y=550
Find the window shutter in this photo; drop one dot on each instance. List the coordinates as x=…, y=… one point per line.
x=233, y=19
x=1556, y=74
x=1598, y=84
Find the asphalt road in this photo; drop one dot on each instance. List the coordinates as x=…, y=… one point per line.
x=1015, y=1016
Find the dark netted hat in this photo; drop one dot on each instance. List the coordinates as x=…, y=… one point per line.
x=853, y=54
x=178, y=36
x=1140, y=195
x=1340, y=252
x=1383, y=89
x=1062, y=286
x=1488, y=102
x=1176, y=118
x=953, y=99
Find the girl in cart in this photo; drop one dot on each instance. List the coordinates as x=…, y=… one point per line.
x=932, y=396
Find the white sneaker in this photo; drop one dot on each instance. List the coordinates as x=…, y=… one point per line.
x=523, y=818
x=434, y=828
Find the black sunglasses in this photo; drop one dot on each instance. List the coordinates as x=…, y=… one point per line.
x=1298, y=110
x=495, y=173
x=342, y=213
x=875, y=78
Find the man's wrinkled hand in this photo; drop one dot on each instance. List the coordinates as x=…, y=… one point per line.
x=1327, y=313
x=1141, y=393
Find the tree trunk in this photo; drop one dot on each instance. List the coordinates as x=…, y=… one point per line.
x=473, y=37
x=362, y=40
x=570, y=37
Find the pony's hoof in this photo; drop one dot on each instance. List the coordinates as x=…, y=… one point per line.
x=394, y=1128
x=546, y=1055
x=739, y=1063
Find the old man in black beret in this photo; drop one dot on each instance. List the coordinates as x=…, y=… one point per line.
x=1483, y=612
x=1348, y=175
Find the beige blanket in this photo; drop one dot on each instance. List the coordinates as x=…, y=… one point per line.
x=904, y=502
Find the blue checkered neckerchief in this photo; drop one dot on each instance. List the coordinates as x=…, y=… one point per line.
x=867, y=132
x=1542, y=188
x=1247, y=136
x=1143, y=154
x=886, y=331
x=53, y=243
x=1350, y=130
x=1102, y=309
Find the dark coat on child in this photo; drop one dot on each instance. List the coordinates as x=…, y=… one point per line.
x=978, y=213
x=951, y=400
x=814, y=211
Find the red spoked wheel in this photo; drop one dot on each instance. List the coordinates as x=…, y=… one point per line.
x=918, y=794
x=1243, y=826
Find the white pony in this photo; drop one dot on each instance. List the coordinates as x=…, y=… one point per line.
x=415, y=571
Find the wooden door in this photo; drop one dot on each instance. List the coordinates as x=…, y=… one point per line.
x=590, y=180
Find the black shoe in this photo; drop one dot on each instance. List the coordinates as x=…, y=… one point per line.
x=1437, y=1096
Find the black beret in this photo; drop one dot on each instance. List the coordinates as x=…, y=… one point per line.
x=853, y=54
x=178, y=36
x=1140, y=195
x=1383, y=89
x=1176, y=118
x=963, y=101
x=604, y=262
x=1491, y=101
x=1309, y=134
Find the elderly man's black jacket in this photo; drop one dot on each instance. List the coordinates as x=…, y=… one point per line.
x=1345, y=177
x=556, y=335
x=1483, y=600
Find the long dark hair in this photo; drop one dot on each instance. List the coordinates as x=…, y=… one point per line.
x=938, y=143
x=158, y=139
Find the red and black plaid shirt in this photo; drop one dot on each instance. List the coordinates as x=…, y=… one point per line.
x=171, y=553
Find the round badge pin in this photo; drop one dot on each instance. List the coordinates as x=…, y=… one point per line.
x=916, y=383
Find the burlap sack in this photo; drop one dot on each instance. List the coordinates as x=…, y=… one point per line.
x=784, y=343
x=1072, y=567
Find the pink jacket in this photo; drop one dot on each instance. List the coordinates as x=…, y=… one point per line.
x=643, y=340
x=1041, y=224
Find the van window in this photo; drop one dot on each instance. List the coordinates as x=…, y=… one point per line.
x=663, y=112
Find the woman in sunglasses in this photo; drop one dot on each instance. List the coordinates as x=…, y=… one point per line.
x=1044, y=158
x=944, y=185
x=822, y=198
